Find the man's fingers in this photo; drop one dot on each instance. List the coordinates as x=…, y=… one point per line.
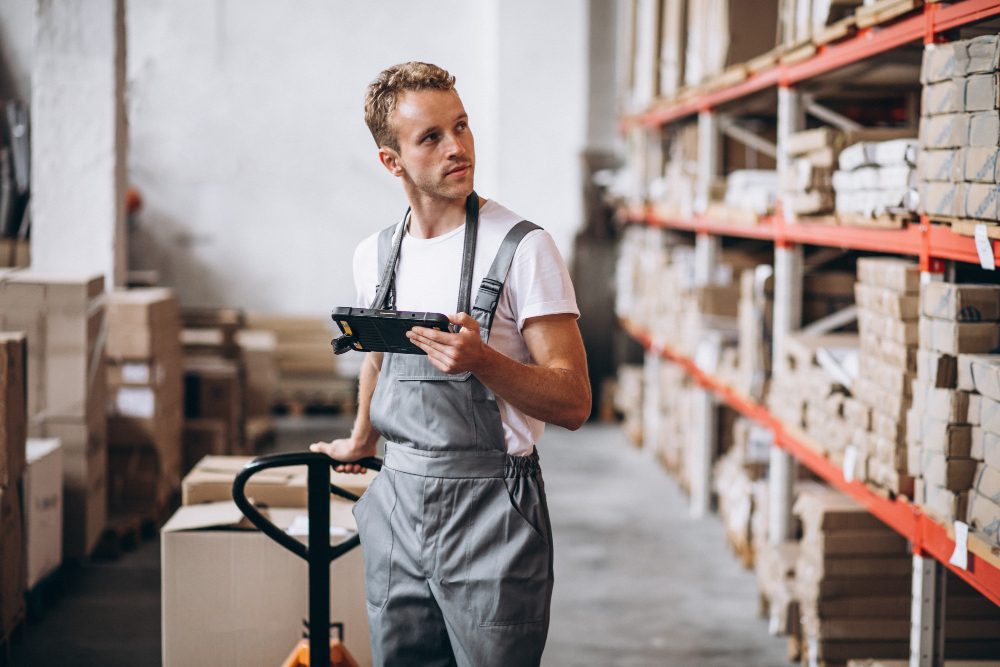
x=464, y=320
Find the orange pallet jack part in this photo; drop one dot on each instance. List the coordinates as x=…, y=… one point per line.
x=339, y=655
x=319, y=554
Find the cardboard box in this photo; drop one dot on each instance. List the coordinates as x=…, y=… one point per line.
x=899, y=355
x=980, y=54
x=940, y=63
x=954, y=338
x=950, y=130
x=43, y=508
x=976, y=408
x=857, y=414
x=978, y=442
x=943, y=505
x=898, y=275
x=941, y=165
x=12, y=556
x=985, y=372
x=13, y=406
x=143, y=324
x=987, y=482
x=887, y=302
x=980, y=92
x=991, y=449
x=936, y=369
x=232, y=596
x=213, y=390
x=943, y=97
x=980, y=165
x=983, y=516
x=989, y=415
x=954, y=474
x=259, y=351
x=943, y=199
x=203, y=437
x=953, y=440
x=212, y=478
x=981, y=201
x=984, y=129
x=947, y=405
x=961, y=302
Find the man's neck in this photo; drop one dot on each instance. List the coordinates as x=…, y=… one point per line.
x=433, y=216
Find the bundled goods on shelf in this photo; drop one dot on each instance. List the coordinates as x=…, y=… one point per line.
x=811, y=21
x=960, y=129
x=807, y=188
x=628, y=400
x=876, y=179
x=13, y=423
x=752, y=192
x=43, y=509
x=946, y=434
x=667, y=429
x=64, y=320
x=308, y=372
x=258, y=350
x=852, y=580
x=742, y=467
x=722, y=35
x=809, y=389
x=676, y=197
x=145, y=399
x=888, y=298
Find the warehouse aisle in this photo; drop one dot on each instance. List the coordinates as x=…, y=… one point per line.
x=637, y=582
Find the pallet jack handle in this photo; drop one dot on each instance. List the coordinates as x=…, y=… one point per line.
x=319, y=553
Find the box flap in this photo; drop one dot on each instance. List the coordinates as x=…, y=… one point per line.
x=207, y=515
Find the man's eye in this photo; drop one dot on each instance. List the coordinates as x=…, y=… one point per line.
x=463, y=126
x=430, y=137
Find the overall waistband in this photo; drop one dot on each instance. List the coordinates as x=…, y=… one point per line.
x=458, y=464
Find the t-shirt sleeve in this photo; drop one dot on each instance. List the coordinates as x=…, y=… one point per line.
x=539, y=283
x=365, y=272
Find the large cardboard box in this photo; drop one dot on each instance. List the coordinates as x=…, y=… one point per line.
x=954, y=474
x=936, y=369
x=43, y=508
x=961, y=302
x=259, y=350
x=12, y=557
x=984, y=517
x=143, y=324
x=984, y=371
x=13, y=406
x=941, y=62
x=213, y=390
x=211, y=480
x=948, y=337
x=943, y=199
x=232, y=596
x=987, y=482
x=979, y=165
x=898, y=275
x=940, y=165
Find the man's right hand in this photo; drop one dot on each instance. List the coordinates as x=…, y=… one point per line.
x=344, y=449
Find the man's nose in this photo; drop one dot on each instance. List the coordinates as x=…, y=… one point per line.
x=455, y=147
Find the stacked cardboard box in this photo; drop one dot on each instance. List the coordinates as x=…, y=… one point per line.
x=213, y=394
x=63, y=317
x=680, y=173
x=145, y=392
x=875, y=179
x=13, y=423
x=960, y=129
x=941, y=422
x=852, y=581
x=888, y=297
x=735, y=474
x=980, y=376
x=258, y=350
x=43, y=508
x=808, y=187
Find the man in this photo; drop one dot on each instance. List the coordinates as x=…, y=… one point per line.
x=455, y=529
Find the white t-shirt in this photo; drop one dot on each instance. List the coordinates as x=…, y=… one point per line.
x=427, y=279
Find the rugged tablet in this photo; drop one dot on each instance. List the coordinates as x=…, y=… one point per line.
x=367, y=330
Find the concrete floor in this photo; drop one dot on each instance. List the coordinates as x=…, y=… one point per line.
x=637, y=581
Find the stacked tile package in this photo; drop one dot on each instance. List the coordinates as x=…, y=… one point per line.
x=145, y=399
x=960, y=129
x=946, y=434
x=734, y=477
x=876, y=178
x=63, y=317
x=808, y=188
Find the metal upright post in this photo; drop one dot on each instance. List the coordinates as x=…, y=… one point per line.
x=927, y=613
x=319, y=563
x=707, y=249
x=788, y=275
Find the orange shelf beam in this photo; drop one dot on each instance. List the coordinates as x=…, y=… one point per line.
x=925, y=241
x=932, y=20
x=927, y=536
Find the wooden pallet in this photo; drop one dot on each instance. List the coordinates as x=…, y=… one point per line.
x=884, y=11
x=836, y=31
x=881, y=222
x=966, y=226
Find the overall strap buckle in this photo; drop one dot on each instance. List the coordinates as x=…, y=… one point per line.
x=488, y=296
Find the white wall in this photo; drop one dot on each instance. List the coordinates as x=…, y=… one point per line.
x=248, y=143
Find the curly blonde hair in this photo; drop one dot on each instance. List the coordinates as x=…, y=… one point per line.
x=384, y=92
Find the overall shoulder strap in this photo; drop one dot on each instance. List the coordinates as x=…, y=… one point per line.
x=488, y=297
x=388, y=256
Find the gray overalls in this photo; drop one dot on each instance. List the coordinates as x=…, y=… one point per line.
x=455, y=532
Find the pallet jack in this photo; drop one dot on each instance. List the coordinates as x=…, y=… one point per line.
x=318, y=554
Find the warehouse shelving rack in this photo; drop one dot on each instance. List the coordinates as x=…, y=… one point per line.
x=934, y=245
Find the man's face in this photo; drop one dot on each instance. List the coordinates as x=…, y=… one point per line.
x=437, y=153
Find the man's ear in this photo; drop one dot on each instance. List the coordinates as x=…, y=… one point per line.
x=390, y=160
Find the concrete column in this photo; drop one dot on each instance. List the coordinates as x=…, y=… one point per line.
x=79, y=138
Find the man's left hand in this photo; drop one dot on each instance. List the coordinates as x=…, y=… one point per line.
x=452, y=352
